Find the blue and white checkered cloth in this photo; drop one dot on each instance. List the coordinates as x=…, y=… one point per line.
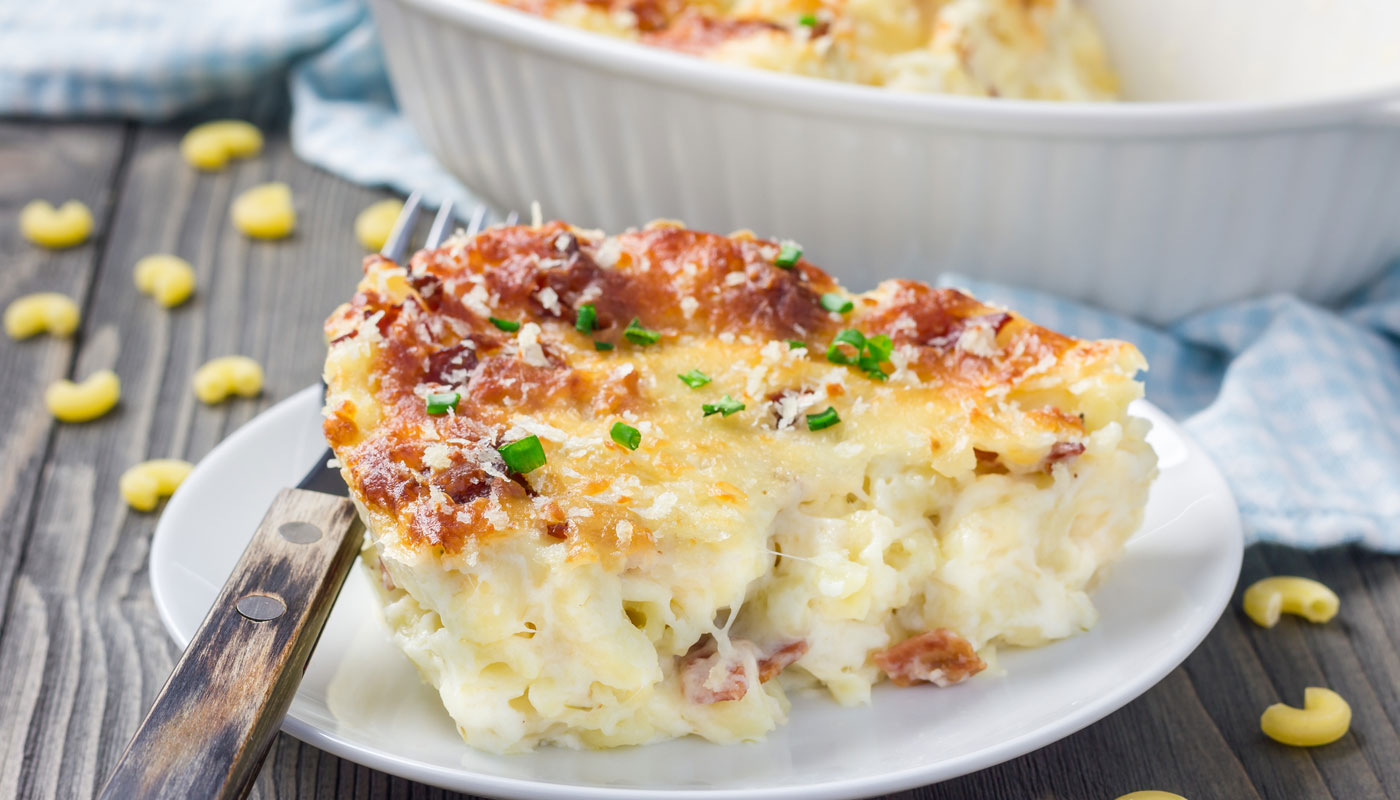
x=1298, y=404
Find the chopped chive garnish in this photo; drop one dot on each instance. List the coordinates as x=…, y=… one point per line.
x=523, y=455
x=695, y=378
x=636, y=334
x=825, y=419
x=601, y=346
x=505, y=324
x=442, y=403
x=831, y=301
x=869, y=352
x=626, y=435
x=850, y=336
x=587, y=316
x=870, y=365
x=880, y=347
x=726, y=406
x=790, y=252
x=794, y=344
x=810, y=20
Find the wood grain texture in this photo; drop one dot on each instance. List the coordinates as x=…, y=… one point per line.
x=206, y=733
x=83, y=654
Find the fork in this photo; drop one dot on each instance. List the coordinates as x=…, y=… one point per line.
x=209, y=729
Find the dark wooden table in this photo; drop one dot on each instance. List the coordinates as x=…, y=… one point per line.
x=82, y=652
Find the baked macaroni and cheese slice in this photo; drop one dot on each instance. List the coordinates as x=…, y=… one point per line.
x=627, y=488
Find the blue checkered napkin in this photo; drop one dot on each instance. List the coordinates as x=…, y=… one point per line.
x=1299, y=405
x=151, y=58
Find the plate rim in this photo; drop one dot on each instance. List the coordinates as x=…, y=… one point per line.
x=852, y=787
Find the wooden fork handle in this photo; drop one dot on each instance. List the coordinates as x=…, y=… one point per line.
x=210, y=727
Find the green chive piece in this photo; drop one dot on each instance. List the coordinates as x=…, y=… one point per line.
x=831, y=301
x=601, y=346
x=790, y=252
x=636, y=334
x=523, y=455
x=871, y=367
x=726, y=406
x=880, y=347
x=695, y=378
x=442, y=403
x=587, y=317
x=809, y=20
x=626, y=435
x=825, y=419
x=796, y=344
x=850, y=336
x=505, y=324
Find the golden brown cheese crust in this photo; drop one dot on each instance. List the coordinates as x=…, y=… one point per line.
x=431, y=332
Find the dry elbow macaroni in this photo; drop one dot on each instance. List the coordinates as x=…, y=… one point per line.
x=169, y=279
x=265, y=211
x=81, y=402
x=372, y=226
x=45, y=311
x=1266, y=599
x=1324, y=718
x=65, y=226
x=146, y=483
x=210, y=146
x=221, y=377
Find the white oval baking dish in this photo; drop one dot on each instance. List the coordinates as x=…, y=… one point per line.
x=1268, y=159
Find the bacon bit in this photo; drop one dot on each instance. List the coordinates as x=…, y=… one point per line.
x=696, y=33
x=835, y=390
x=995, y=321
x=451, y=366
x=939, y=656
x=557, y=530
x=705, y=680
x=779, y=660
x=1061, y=451
x=428, y=286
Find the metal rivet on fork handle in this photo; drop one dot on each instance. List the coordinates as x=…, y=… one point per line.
x=261, y=607
x=299, y=532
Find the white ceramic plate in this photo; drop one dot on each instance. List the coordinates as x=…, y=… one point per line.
x=363, y=700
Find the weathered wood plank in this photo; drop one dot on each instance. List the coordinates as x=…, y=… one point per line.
x=55, y=163
x=82, y=638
